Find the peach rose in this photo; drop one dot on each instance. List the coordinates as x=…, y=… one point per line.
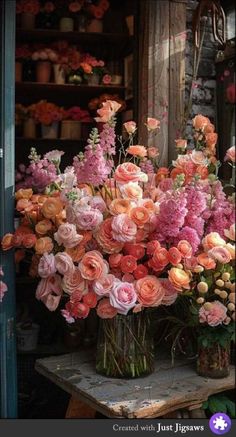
x=200, y=122
x=129, y=172
x=24, y=193
x=230, y=154
x=103, y=286
x=180, y=143
x=152, y=246
x=128, y=264
x=150, y=291
x=130, y=127
x=52, y=207
x=23, y=204
x=6, y=242
x=73, y=282
x=220, y=254
x=123, y=296
x=43, y=226
x=213, y=315
x=211, y=240
x=179, y=278
x=132, y=191
x=205, y=261
x=198, y=158
x=105, y=310
x=139, y=215
x=161, y=256
x=92, y=266
x=119, y=206
x=230, y=233
x=209, y=128
x=43, y=245
x=46, y=265
x=153, y=152
x=29, y=240
x=105, y=239
x=162, y=173
x=67, y=235
x=211, y=139
x=90, y=299
x=81, y=310
x=108, y=110
x=137, y=150
x=152, y=124
x=64, y=263
x=123, y=228
x=185, y=248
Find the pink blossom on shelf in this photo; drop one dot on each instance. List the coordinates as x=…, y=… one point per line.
x=214, y=315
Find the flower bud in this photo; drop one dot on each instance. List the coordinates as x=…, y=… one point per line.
x=220, y=283
x=217, y=291
x=216, y=275
x=227, y=321
x=233, y=316
x=200, y=300
x=225, y=276
x=207, y=306
x=202, y=287
x=198, y=269
x=223, y=294
x=231, y=307
x=228, y=284
x=232, y=297
x=232, y=287
x=180, y=266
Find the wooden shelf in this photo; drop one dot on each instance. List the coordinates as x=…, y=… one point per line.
x=49, y=141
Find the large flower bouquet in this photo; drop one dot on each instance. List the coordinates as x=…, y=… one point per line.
x=120, y=234
x=46, y=112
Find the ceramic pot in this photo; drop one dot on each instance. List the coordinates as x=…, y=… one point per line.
x=27, y=21
x=66, y=24
x=71, y=129
x=59, y=74
x=29, y=128
x=43, y=71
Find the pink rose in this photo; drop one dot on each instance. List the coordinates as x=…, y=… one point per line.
x=49, y=291
x=89, y=219
x=220, y=254
x=46, y=266
x=105, y=310
x=64, y=263
x=129, y=172
x=92, y=266
x=97, y=202
x=213, y=316
x=123, y=297
x=130, y=127
x=106, y=79
x=103, y=286
x=123, y=228
x=67, y=235
x=230, y=154
x=108, y=110
x=73, y=282
x=170, y=295
x=152, y=124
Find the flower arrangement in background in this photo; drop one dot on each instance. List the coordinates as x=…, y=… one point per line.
x=45, y=54
x=27, y=6
x=46, y=113
x=90, y=66
x=23, y=52
x=98, y=8
x=21, y=113
x=77, y=114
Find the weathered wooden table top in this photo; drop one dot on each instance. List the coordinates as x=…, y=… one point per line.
x=167, y=389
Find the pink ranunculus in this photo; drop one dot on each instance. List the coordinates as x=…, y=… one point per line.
x=103, y=286
x=152, y=124
x=92, y=266
x=220, y=254
x=3, y=289
x=170, y=295
x=213, y=316
x=98, y=203
x=129, y=172
x=130, y=127
x=105, y=310
x=46, y=266
x=73, y=282
x=89, y=219
x=230, y=154
x=123, y=228
x=123, y=296
x=49, y=291
x=67, y=235
x=64, y=263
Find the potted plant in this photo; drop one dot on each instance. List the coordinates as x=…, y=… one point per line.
x=28, y=9
x=71, y=125
x=23, y=54
x=93, y=70
x=96, y=11
x=49, y=115
x=44, y=59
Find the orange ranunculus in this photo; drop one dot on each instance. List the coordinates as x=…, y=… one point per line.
x=176, y=171
x=92, y=266
x=211, y=139
x=200, y=122
x=149, y=205
x=105, y=310
x=104, y=237
x=43, y=244
x=150, y=291
x=211, y=240
x=137, y=150
x=160, y=256
x=6, y=242
x=185, y=248
x=179, y=278
x=139, y=215
x=24, y=193
x=52, y=207
x=162, y=173
x=205, y=261
x=76, y=252
x=174, y=255
x=128, y=264
x=119, y=206
x=202, y=171
x=136, y=250
x=43, y=227
x=90, y=299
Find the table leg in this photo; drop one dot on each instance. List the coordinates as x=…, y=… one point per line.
x=79, y=410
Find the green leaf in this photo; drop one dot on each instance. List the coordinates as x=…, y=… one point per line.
x=216, y=405
x=231, y=408
x=205, y=405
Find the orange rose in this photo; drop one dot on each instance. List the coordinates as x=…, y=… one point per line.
x=86, y=67
x=211, y=139
x=137, y=150
x=119, y=206
x=200, y=122
x=7, y=241
x=148, y=205
x=139, y=215
x=90, y=299
x=205, y=261
x=43, y=227
x=179, y=278
x=150, y=291
x=114, y=260
x=153, y=152
x=162, y=173
x=52, y=207
x=24, y=194
x=43, y=245
x=105, y=310
x=211, y=240
x=92, y=266
x=19, y=255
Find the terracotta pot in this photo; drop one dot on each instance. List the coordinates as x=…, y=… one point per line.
x=59, y=74
x=43, y=71
x=18, y=71
x=71, y=129
x=95, y=26
x=66, y=24
x=29, y=128
x=50, y=131
x=27, y=21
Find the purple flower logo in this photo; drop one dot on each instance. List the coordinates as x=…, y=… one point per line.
x=220, y=423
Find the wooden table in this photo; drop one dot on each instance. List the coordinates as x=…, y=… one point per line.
x=166, y=390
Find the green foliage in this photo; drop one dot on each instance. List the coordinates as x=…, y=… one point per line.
x=223, y=335
x=220, y=403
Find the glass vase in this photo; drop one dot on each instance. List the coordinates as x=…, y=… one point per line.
x=125, y=347
x=213, y=361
